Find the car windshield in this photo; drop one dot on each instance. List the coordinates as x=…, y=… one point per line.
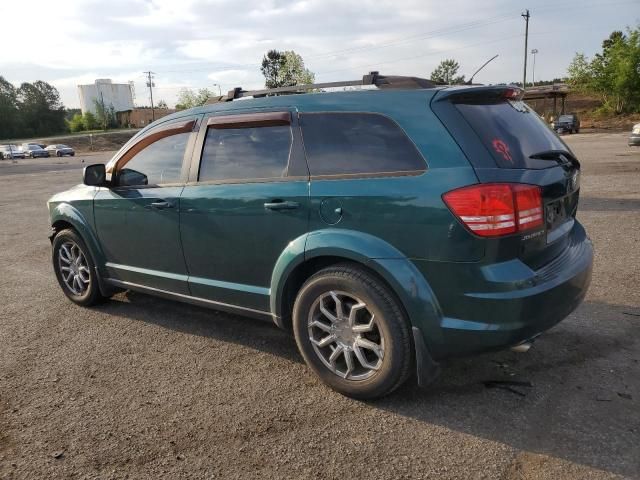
x=62, y=146
x=565, y=118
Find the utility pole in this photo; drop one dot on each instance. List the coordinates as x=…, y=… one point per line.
x=150, y=84
x=533, y=70
x=526, y=17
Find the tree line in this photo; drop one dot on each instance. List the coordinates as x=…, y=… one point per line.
x=613, y=74
x=32, y=109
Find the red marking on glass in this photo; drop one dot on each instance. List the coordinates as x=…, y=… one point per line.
x=503, y=149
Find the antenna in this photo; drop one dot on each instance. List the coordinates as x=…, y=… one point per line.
x=470, y=81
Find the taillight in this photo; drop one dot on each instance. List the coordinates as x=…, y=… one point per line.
x=496, y=209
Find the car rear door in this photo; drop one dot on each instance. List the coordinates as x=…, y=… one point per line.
x=137, y=218
x=247, y=198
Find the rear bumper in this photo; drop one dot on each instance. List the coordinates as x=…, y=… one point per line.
x=634, y=140
x=516, y=303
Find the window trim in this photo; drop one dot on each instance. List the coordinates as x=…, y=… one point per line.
x=352, y=176
x=164, y=130
x=251, y=119
x=152, y=136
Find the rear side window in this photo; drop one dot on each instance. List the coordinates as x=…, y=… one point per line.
x=357, y=143
x=512, y=132
x=246, y=153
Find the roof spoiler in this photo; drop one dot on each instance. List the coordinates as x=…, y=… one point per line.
x=484, y=93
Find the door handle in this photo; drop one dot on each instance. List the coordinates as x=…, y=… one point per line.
x=280, y=205
x=159, y=205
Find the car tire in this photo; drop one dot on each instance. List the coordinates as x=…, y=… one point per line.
x=73, y=154
x=372, y=353
x=59, y=154
x=71, y=258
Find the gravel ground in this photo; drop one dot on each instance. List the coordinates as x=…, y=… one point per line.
x=147, y=388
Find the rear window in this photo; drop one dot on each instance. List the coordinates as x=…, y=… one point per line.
x=357, y=143
x=512, y=132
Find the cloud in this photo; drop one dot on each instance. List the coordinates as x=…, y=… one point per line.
x=196, y=43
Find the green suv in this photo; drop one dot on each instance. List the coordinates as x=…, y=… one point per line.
x=388, y=228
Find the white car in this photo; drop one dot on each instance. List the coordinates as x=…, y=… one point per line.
x=634, y=138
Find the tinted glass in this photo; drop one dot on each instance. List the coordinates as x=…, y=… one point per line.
x=158, y=163
x=512, y=132
x=352, y=143
x=245, y=153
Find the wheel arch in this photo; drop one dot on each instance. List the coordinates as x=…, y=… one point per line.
x=65, y=216
x=310, y=253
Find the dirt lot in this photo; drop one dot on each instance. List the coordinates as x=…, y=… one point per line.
x=146, y=388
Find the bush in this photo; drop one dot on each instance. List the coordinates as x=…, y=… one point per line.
x=90, y=121
x=76, y=124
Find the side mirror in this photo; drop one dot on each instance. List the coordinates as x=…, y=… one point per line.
x=94, y=175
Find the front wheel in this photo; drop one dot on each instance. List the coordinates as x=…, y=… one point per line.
x=75, y=269
x=352, y=332
x=59, y=154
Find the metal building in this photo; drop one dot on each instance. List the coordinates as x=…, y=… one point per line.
x=118, y=95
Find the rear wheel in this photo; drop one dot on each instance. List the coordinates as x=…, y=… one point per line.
x=352, y=332
x=75, y=269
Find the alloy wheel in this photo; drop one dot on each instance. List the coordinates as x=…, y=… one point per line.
x=345, y=335
x=74, y=268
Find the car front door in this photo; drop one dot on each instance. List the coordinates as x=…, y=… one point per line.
x=138, y=217
x=247, y=198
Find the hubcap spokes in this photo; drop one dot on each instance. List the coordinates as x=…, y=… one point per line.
x=74, y=268
x=345, y=335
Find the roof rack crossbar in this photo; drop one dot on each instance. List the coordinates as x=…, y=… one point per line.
x=372, y=78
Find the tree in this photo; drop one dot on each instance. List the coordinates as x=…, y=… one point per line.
x=446, y=72
x=9, y=120
x=613, y=74
x=188, y=98
x=105, y=115
x=285, y=69
x=40, y=109
x=90, y=121
x=76, y=124
x=162, y=104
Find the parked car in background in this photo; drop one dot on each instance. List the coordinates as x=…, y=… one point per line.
x=34, y=150
x=566, y=124
x=634, y=138
x=10, y=151
x=60, y=150
x=387, y=229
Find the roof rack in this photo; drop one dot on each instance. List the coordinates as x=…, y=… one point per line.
x=372, y=78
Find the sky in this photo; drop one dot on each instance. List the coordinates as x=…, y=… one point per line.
x=205, y=43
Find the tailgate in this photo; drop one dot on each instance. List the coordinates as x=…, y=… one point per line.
x=506, y=141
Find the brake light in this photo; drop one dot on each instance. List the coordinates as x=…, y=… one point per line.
x=497, y=209
x=513, y=93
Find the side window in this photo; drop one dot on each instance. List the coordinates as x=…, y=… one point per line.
x=357, y=143
x=253, y=152
x=158, y=163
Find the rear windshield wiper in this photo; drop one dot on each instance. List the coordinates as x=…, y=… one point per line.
x=561, y=156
